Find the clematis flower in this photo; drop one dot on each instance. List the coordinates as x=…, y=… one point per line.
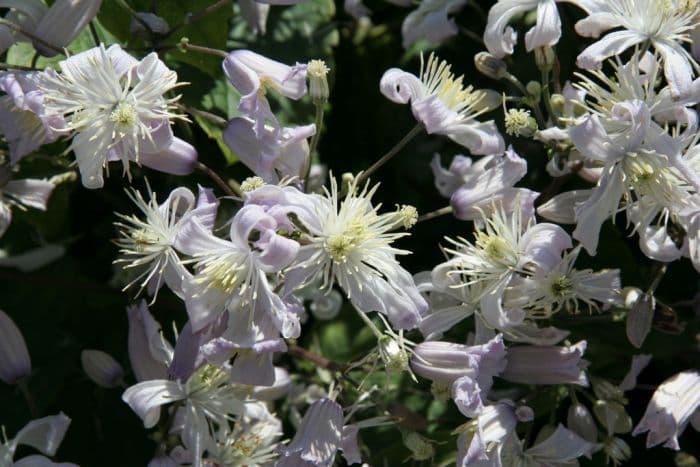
x=444, y=106
x=115, y=104
x=564, y=365
x=21, y=194
x=272, y=155
x=431, y=21
x=232, y=275
x=481, y=439
x=44, y=435
x=23, y=118
x=57, y=25
x=253, y=75
x=500, y=39
x=321, y=433
x=347, y=241
x=149, y=245
x=671, y=407
x=473, y=188
x=664, y=25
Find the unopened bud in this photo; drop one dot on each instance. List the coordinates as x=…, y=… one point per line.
x=490, y=66
x=580, y=421
x=613, y=416
x=394, y=357
x=557, y=102
x=14, y=356
x=519, y=122
x=534, y=89
x=101, y=368
x=317, y=72
x=545, y=57
x=640, y=314
x=252, y=184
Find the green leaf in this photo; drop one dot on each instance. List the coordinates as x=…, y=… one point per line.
x=215, y=133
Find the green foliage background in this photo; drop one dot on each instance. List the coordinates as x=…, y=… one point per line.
x=75, y=303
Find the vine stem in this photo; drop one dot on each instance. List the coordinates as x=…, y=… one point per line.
x=24, y=389
x=32, y=36
x=392, y=152
x=433, y=214
x=184, y=44
x=315, y=358
x=219, y=181
x=314, y=141
x=196, y=17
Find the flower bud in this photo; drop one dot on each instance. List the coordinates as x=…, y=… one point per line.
x=613, y=416
x=545, y=57
x=640, y=314
x=317, y=72
x=490, y=66
x=101, y=368
x=14, y=356
x=580, y=421
x=393, y=355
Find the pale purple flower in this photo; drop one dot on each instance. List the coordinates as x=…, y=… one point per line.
x=253, y=75
x=57, y=25
x=474, y=188
x=149, y=245
x=559, y=449
x=482, y=438
x=500, y=39
x=665, y=25
x=431, y=21
x=546, y=364
x=255, y=15
x=671, y=407
x=21, y=194
x=149, y=353
x=445, y=362
x=43, y=434
x=347, y=241
x=102, y=368
x=15, y=363
x=273, y=154
x=321, y=433
x=23, y=118
x=441, y=102
x=116, y=107
x=233, y=274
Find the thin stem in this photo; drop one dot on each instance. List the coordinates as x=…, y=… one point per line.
x=185, y=45
x=314, y=141
x=18, y=28
x=193, y=18
x=24, y=389
x=546, y=93
x=471, y=35
x=219, y=181
x=660, y=272
x=315, y=358
x=8, y=66
x=433, y=214
x=93, y=32
x=392, y=152
x=201, y=113
x=373, y=327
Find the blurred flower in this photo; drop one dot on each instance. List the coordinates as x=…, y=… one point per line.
x=44, y=435
x=102, y=368
x=431, y=21
x=14, y=356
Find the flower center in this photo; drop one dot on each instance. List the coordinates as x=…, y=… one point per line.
x=124, y=115
x=562, y=286
x=496, y=248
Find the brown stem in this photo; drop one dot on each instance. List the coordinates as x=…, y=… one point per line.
x=185, y=45
x=315, y=358
x=18, y=28
x=218, y=180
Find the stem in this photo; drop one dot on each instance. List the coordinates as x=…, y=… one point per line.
x=93, y=32
x=185, y=45
x=373, y=327
x=434, y=214
x=541, y=122
x=7, y=66
x=201, y=113
x=660, y=272
x=219, y=181
x=314, y=141
x=392, y=152
x=546, y=94
x=190, y=18
x=18, y=28
x=315, y=358
x=24, y=389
